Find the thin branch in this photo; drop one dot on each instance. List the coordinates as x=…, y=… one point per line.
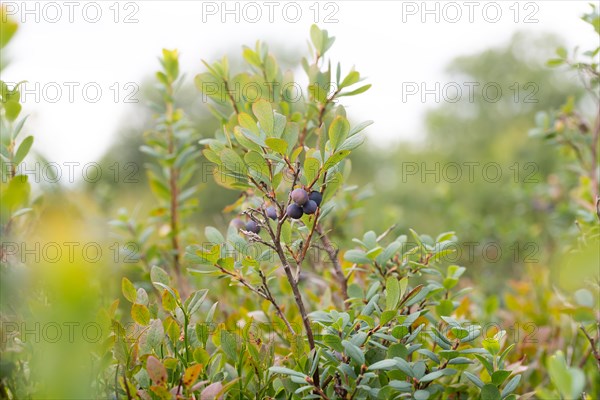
x=332, y=252
x=126, y=385
x=594, y=166
x=174, y=192
x=592, y=344
x=265, y=293
x=269, y=296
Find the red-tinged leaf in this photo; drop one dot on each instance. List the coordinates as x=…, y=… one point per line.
x=212, y=391
x=156, y=371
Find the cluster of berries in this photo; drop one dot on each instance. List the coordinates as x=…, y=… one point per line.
x=303, y=203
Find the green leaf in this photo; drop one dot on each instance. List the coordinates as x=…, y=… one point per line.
x=316, y=36
x=290, y=134
x=264, y=113
x=555, y=62
x=511, y=386
x=478, y=382
x=569, y=381
x=352, y=142
x=19, y=126
x=311, y=169
x=157, y=274
x=195, y=300
x=360, y=90
x=168, y=301
x=383, y=364
x=286, y=371
x=246, y=121
x=338, y=131
x=229, y=344
x=230, y=180
x=490, y=392
x=318, y=92
x=445, y=308
x=335, y=158
x=334, y=342
x=498, y=377
x=421, y=395
x=492, y=345
x=23, y=149
x=7, y=28
x=359, y=128
x=350, y=79
x=402, y=386
x=244, y=140
x=15, y=195
x=213, y=235
x=460, y=360
x=278, y=145
x=356, y=256
x=140, y=314
x=128, y=290
x=211, y=86
x=286, y=232
x=279, y=124
x=392, y=293
x=257, y=165
x=353, y=352
x=251, y=57
x=387, y=316
x=12, y=110
x=232, y=161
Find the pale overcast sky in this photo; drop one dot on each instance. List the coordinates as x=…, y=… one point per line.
x=75, y=45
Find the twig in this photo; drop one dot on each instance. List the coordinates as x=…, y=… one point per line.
x=174, y=192
x=332, y=252
x=126, y=385
x=592, y=344
x=594, y=167
x=265, y=293
x=269, y=296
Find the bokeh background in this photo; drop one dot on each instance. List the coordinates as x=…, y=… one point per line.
x=434, y=161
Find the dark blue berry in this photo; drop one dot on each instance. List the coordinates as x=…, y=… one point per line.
x=299, y=196
x=315, y=196
x=310, y=207
x=253, y=227
x=272, y=213
x=294, y=211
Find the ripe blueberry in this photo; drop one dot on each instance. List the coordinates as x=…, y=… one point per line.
x=315, y=196
x=299, y=196
x=252, y=226
x=294, y=211
x=272, y=213
x=310, y=207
